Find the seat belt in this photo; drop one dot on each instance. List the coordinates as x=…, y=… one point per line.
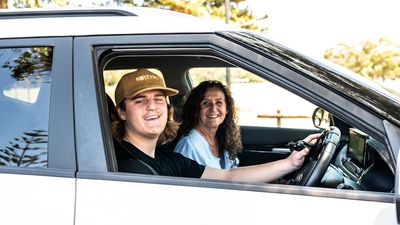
x=153, y=171
x=222, y=159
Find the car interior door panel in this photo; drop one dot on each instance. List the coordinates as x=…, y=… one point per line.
x=267, y=144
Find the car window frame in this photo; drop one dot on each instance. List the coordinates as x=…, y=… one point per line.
x=87, y=51
x=61, y=147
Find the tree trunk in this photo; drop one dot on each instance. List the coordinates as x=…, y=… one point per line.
x=3, y=4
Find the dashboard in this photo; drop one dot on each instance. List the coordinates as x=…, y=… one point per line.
x=361, y=164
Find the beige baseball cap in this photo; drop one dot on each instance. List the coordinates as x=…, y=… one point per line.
x=140, y=81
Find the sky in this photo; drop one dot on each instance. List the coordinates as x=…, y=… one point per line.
x=313, y=26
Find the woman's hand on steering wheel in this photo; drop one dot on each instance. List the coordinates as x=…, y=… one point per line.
x=296, y=158
x=312, y=164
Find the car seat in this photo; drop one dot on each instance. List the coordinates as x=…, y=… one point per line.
x=112, y=111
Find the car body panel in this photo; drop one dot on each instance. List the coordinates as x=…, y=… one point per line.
x=105, y=202
x=33, y=199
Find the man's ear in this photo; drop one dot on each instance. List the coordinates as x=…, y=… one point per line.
x=121, y=113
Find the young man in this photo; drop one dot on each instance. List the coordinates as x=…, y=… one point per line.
x=144, y=115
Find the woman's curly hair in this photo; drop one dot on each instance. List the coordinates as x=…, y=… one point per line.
x=228, y=133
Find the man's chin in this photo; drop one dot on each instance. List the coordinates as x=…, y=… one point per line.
x=155, y=131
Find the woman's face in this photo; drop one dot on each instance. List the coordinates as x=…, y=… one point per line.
x=212, y=109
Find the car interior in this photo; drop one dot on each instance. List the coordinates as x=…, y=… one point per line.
x=343, y=158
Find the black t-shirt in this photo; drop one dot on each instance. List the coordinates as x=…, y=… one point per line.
x=166, y=163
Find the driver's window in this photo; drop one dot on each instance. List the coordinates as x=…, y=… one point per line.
x=259, y=102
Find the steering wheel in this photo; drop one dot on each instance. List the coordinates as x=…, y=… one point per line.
x=319, y=158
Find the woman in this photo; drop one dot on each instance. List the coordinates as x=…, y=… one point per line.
x=208, y=133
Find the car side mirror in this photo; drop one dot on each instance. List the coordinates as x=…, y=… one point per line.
x=321, y=118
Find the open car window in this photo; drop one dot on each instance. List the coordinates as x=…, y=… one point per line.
x=270, y=116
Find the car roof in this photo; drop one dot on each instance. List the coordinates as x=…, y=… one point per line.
x=24, y=23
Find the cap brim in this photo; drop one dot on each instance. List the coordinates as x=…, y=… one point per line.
x=165, y=90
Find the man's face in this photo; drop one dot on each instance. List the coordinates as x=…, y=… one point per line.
x=212, y=109
x=145, y=114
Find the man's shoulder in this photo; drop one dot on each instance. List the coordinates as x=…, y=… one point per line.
x=127, y=162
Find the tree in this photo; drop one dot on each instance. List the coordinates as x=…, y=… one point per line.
x=375, y=60
x=30, y=150
x=3, y=4
x=21, y=3
x=27, y=3
x=211, y=9
x=41, y=3
x=31, y=64
x=244, y=18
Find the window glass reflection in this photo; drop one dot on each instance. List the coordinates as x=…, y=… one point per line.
x=25, y=77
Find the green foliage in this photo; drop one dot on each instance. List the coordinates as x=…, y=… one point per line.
x=379, y=59
x=27, y=3
x=244, y=18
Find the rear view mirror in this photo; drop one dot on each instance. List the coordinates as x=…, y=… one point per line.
x=321, y=118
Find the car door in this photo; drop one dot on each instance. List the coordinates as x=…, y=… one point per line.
x=106, y=196
x=37, y=155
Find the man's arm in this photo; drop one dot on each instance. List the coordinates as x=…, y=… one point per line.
x=267, y=172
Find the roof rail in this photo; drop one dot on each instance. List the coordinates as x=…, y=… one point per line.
x=5, y=14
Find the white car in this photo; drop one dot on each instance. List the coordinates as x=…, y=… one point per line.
x=58, y=69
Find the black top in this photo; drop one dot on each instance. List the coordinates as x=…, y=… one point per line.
x=166, y=163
